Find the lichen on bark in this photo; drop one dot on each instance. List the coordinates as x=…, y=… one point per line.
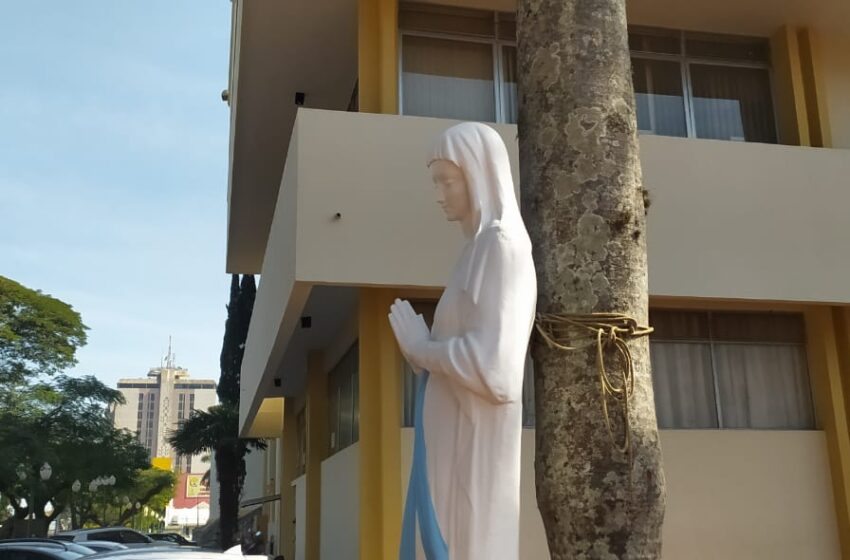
x=584, y=207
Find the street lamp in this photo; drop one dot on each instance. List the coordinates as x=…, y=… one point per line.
x=45, y=472
x=103, y=481
x=138, y=523
x=75, y=488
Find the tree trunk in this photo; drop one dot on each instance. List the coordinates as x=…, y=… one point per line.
x=227, y=468
x=584, y=208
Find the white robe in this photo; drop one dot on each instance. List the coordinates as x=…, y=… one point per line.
x=473, y=401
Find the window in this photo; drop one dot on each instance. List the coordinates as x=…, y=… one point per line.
x=191, y=402
x=730, y=370
x=702, y=85
x=343, y=402
x=194, y=385
x=111, y=536
x=132, y=537
x=453, y=63
x=301, y=442
x=462, y=64
x=181, y=406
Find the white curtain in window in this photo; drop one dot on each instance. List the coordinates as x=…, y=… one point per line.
x=683, y=385
x=763, y=386
x=450, y=79
x=510, y=98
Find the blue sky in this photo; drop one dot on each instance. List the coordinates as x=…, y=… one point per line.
x=113, y=172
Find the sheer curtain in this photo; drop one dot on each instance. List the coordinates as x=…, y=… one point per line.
x=447, y=78
x=683, y=385
x=510, y=101
x=763, y=386
x=751, y=367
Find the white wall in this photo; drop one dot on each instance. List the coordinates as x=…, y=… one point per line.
x=340, y=534
x=776, y=215
x=300, y=485
x=731, y=495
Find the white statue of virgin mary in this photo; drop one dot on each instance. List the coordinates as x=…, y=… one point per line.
x=465, y=480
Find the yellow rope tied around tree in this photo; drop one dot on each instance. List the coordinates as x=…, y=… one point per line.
x=574, y=331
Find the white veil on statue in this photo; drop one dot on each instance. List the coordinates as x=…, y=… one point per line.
x=480, y=153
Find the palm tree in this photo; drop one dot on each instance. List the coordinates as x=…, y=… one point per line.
x=600, y=486
x=216, y=431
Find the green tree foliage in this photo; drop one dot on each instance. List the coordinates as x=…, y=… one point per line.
x=48, y=417
x=39, y=334
x=217, y=430
x=151, y=488
x=67, y=423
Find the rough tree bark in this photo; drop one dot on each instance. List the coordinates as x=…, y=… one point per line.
x=227, y=466
x=584, y=207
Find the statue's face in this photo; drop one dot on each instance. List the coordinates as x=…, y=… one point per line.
x=452, y=190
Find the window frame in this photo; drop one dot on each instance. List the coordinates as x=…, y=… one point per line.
x=350, y=377
x=712, y=341
x=496, y=46
x=684, y=61
x=682, y=58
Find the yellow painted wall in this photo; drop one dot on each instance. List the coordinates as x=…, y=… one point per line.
x=377, y=41
x=829, y=391
x=317, y=446
x=287, y=475
x=788, y=87
x=380, y=425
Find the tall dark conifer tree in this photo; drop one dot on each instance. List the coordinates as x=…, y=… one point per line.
x=231, y=359
x=217, y=430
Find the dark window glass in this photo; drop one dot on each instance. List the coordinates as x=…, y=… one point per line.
x=131, y=537
x=111, y=536
x=343, y=414
x=727, y=47
x=654, y=40
x=732, y=103
x=658, y=97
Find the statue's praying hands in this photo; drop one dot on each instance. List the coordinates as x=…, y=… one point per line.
x=410, y=330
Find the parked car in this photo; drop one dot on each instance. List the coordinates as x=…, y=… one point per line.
x=121, y=535
x=104, y=546
x=41, y=549
x=73, y=547
x=175, y=538
x=166, y=553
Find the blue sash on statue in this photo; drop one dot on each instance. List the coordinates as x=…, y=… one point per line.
x=418, y=504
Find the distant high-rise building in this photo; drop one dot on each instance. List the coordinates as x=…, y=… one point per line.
x=158, y=404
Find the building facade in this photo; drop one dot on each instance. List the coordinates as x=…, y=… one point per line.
x=743, y=108
x=158, y=404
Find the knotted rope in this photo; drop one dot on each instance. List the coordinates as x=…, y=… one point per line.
x=576, y=331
